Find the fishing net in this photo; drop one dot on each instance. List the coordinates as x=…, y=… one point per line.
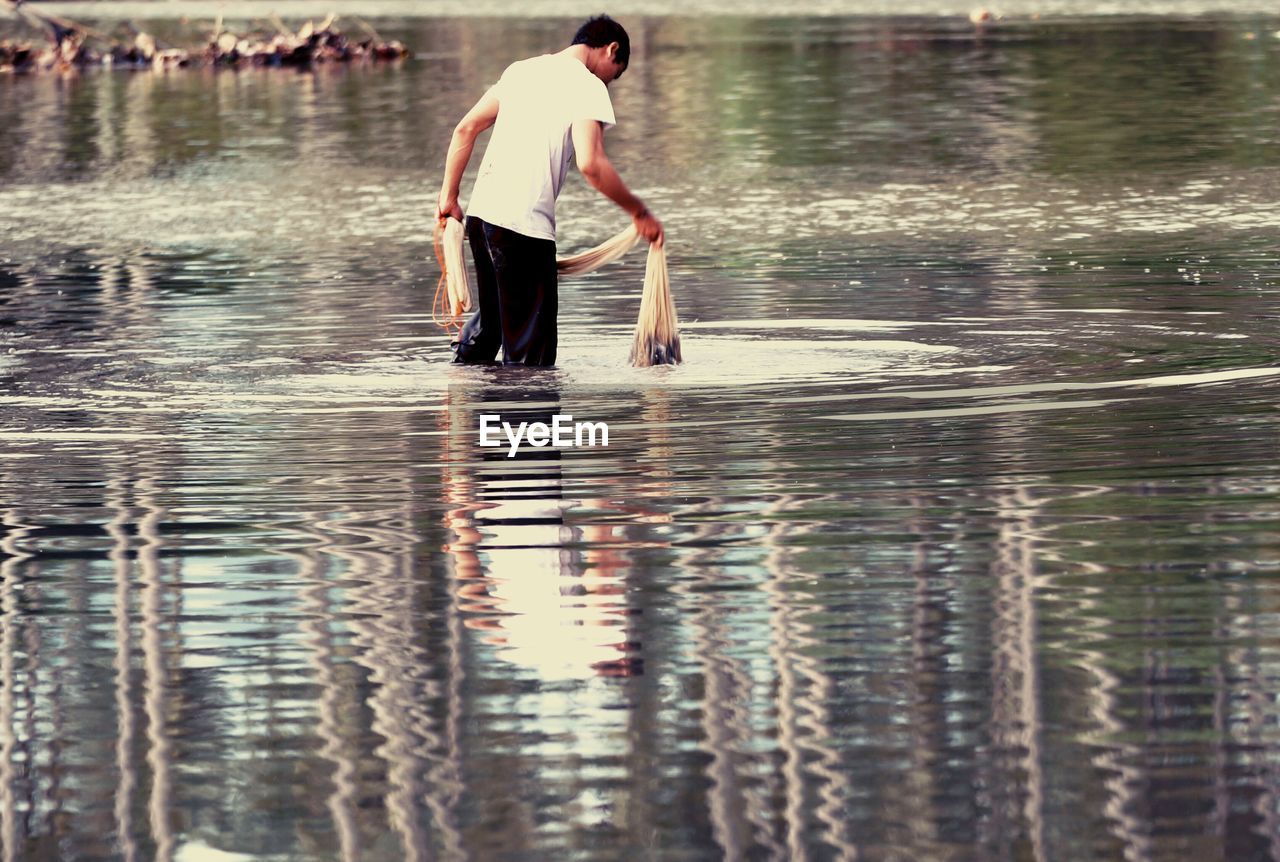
x=657, y=338
x=602, y=255
x=453, y=291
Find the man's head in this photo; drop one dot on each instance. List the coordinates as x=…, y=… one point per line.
x=609, y=45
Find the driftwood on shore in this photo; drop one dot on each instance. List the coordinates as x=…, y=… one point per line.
x=72, y=46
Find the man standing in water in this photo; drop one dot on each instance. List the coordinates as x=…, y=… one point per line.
x=545, y=111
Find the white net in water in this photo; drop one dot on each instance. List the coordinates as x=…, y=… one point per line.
x=657, y=340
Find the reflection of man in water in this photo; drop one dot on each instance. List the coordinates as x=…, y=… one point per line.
x=545, y=111
x=550, y=597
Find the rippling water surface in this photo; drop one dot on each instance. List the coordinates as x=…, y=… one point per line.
x=956, y=536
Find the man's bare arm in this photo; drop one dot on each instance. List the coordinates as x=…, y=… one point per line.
x=588, y=145
x=481, y=116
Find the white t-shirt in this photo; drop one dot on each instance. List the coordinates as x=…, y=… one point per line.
x=528, y=156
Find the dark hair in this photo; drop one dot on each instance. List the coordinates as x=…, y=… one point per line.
x=600, y=31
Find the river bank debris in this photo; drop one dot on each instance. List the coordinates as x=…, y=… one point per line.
x=71, y=45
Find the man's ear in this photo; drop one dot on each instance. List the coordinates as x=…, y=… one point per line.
x=613, y=50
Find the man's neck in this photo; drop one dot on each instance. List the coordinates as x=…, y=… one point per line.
x=584, y=55
x=581, y=53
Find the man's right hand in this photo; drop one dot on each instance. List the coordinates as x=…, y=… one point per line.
x=649, y=227
x=448, y=206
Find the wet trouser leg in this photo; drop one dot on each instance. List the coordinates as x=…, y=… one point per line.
x=517, y=292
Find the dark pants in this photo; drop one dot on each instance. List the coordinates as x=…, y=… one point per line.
x=516, y=287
